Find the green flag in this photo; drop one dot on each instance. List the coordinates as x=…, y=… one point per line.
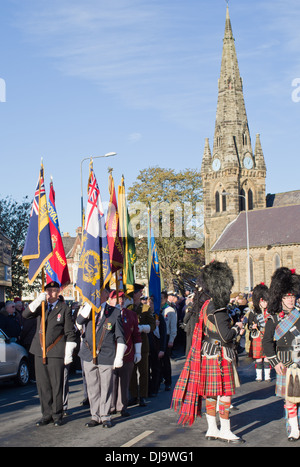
x=128, y=240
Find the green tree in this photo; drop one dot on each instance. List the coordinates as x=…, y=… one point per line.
x=173, y=199
x=14, y=220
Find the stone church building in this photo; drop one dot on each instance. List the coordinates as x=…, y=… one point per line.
x=253, y=232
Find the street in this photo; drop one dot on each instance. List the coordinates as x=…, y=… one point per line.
x=258, y=418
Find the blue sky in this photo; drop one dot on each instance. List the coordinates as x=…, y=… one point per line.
x=139, y=78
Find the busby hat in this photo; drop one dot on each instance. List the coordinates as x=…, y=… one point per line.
x=217, y=280
x=284, y=281
x=260, y=291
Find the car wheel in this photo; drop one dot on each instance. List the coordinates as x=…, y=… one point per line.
x=23, y=373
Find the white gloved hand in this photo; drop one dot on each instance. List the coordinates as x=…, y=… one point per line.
x=70, y=347
x=38, y=301
x=121, y=349
x=85, y=310
x=144, y=328
x=137, y=352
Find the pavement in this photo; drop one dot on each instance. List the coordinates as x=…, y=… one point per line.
x=258, y=417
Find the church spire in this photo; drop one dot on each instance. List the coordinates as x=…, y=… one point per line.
x=232, y=137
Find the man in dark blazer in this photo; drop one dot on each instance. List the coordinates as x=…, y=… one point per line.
x=111, y=346
x=60, y=344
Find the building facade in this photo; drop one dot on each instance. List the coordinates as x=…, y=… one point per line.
x=234, y=189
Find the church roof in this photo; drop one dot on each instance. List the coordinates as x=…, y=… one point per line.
x=269, y=226
x=283, y=199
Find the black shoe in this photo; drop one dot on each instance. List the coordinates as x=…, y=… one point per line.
x=107, y=424
x=125, y=413
x=44, y=422
x=92, y=424
x=133, y=401
x=58, y=423
x=142, y=402
x=85, y=402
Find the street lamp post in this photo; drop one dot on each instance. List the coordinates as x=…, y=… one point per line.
x=109, y=154
x=247, y=236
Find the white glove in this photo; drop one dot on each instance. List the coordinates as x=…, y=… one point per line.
x=70, y=347
x=121, y=349
x=144, y=328
x=37, y=302
x=85, y=310
x=137, y=352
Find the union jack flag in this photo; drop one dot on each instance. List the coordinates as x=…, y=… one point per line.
x=40, y=191
x=94, y=270
x=38, y=246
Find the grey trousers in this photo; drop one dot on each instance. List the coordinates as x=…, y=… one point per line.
x=99, y=386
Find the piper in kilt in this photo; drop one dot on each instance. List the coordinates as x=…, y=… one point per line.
x=209, y=370
x=281, y=343
x=256, y=323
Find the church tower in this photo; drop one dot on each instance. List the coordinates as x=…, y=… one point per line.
x=232, y=167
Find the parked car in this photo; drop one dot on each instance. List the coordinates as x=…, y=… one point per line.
x=13, y=361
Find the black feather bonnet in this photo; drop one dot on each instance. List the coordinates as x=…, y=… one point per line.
x=283, y=282
x=217, y=281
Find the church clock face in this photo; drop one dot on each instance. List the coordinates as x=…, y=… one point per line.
x=248, y=162
x=216, y=165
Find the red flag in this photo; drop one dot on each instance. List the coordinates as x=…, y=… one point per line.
x=112, y=226
x=57, y=267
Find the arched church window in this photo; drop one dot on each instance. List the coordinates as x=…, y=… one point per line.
x=224, y=207
x=242, y=200
x=250, y=200
x=217, y=199
x=276, y=261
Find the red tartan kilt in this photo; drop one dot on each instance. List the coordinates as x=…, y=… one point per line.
x=256, y=348
x=213, y=381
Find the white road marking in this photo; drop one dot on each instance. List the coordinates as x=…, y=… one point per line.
x=137, y=439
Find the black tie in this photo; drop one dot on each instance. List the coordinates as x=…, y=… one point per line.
x=50, y=306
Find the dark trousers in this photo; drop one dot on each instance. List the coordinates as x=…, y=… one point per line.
x=166, y=365
x=139, y=386
x=121, y=380
x=50, y=383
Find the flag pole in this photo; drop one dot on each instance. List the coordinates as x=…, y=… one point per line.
x=43, y=321
x=94, y=337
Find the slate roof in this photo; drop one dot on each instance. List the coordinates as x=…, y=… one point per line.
x=283, y=199
x=270, y=226
x=68, y=243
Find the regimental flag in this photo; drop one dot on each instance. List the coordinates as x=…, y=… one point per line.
x=115, y=243
x=155, y=282
x=38, y=247
x=128, y=240
x=56, y=268
x=94, y=270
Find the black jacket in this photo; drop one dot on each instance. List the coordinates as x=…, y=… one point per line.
x=114, y=333
x=58, y=322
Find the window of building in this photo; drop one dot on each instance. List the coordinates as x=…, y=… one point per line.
x=217, y=198
x=224, y=207
x=242, y=200
x=250, y=200
x=277, y=261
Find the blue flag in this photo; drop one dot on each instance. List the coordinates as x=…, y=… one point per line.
x=94, y=269
x=154, y=271
x=38, y=246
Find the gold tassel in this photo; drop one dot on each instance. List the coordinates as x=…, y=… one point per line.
x=290, y=391
x=297, y=387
